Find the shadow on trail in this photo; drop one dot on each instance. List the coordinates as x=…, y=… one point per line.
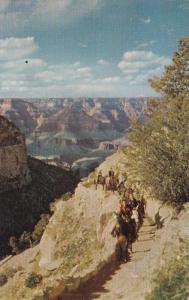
x=146, y=240
x=141, y=251
x=146, y=232
x=95, y=286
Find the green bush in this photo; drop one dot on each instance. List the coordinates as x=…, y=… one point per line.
x=40, y=228
x=33, y=280
x=13, y=243
x=171, y=283
x=28, y=239
x=25, y=240
x=66, y=196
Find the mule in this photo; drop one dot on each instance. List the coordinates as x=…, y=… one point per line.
x=121, y=231
x=113, y=183
x=100, y=180
x=121, y=188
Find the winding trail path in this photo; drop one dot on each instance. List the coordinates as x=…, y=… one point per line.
x=119, y=282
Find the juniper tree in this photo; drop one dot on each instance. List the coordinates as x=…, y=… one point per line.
x=159, y=150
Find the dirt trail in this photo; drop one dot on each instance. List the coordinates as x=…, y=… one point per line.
x=119, y=282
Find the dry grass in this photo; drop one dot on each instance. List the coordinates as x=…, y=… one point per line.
x=171, y=282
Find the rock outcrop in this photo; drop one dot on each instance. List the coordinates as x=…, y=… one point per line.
x=14, y=171
x=108, y=146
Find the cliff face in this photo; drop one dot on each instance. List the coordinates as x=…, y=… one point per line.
x=13, y=157
x=27, y=185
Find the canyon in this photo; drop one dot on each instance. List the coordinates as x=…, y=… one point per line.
x=74, y=129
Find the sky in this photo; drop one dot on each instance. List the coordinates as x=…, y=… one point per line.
x=87, y=48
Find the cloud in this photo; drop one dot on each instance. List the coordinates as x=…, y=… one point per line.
x=64, y=11
x=111, y=79
x=16, y=14
x=103, y=62
x=135, y=60
x=39, y=78
x=146, y=20
x=139, y=66
x=18, y=66
x=146, y=44
x=67, y=72
x=15, y=48
x=82, y=45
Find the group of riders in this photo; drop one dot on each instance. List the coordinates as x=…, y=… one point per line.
x=130, y=215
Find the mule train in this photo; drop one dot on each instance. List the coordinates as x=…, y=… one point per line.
x=130, y=215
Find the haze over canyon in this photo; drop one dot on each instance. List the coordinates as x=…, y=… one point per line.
x=77, y=133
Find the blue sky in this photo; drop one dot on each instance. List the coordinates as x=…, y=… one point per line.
x=82, y=48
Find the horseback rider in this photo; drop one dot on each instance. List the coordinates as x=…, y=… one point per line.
x=99, y=175
x=121, y=184
x=135, y=216
x=111, y=172
x=101, y=180
x=121, y=231
x=129, y=218
x=158, y=219
x=143, y=206
x=121, y=178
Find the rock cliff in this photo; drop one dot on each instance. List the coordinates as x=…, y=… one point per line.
x=13, y=157
x=27, y=185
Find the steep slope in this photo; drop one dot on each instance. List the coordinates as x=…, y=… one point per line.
x=27, y=186
x=20, y=208
x=77, y=244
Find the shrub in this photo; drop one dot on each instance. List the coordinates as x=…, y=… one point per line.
x=157, y=155
x=3, y=279
x=66, y=196
x=87, y=184
x=171, y=283
x=33, y=280
x=13, y=243
x=25, y=240
x=40, y=227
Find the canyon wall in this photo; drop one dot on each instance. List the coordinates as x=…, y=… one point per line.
x=13, y=157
